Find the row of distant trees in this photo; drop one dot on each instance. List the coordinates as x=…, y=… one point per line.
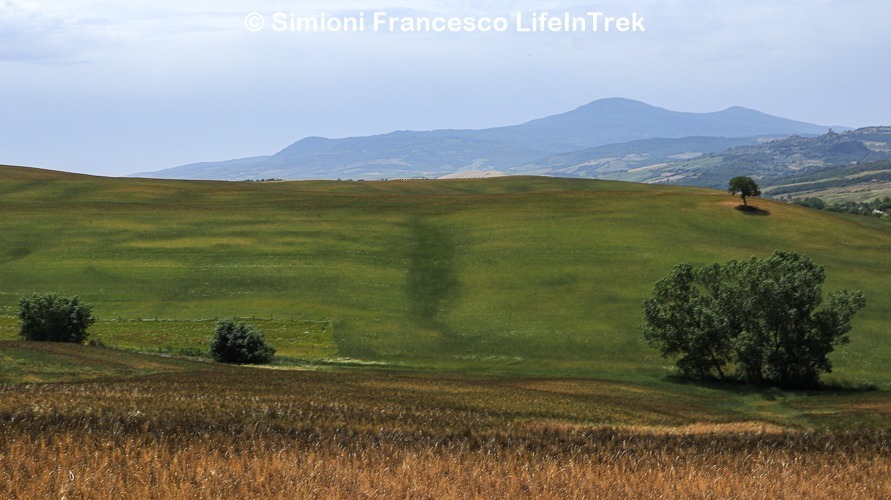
x=879, y=207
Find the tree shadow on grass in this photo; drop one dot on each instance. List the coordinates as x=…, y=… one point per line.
x=752, y=210
x=741, y=388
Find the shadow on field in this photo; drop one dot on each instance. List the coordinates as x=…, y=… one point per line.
x=752, y=210
x=431, y=278
x=429, y=254
x=771, y=393
x=15, y=252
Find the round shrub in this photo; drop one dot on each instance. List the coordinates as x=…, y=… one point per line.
x=239, y=343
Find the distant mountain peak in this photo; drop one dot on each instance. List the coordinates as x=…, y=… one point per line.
x=616, y=101
x=615, y=104
x=436, y=153
x=739, y=110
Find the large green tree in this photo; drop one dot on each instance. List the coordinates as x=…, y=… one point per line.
x=745, y=186
x=55, y=318
x=760, y=320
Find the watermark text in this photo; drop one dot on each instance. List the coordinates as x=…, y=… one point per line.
x=384, y=22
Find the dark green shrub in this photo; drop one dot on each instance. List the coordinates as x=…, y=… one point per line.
x=54, y=318
x=239, y=343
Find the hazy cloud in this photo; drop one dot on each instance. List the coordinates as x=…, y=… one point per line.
x=30, y=33
x=171, y=82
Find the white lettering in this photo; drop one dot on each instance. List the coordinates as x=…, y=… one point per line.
x=520, y=27
x=280, y=21
x=637, y=22
x=379, y=20
x=595, y=20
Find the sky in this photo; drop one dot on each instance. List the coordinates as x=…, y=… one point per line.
x=114, y=88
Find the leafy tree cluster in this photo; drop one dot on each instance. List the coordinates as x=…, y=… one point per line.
x=877, y=207
x=759, y=320
x=54, y=318
x=816, y=203
x=239, y=343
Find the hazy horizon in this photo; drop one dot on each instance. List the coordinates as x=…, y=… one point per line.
x=113, y=88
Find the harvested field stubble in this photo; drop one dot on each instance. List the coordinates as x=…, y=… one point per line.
x=117, y=462
x=220, y=435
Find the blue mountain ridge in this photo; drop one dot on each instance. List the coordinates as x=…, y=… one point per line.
x=515, y=149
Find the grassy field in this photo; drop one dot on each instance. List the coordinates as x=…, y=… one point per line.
x=50, y=362
x=511, y=275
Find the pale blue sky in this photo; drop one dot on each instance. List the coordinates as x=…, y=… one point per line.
x=114, y=87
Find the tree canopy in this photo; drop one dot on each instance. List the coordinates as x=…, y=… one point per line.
x=759, y=320
x=239, y=343
x=745, y=186
x=55, y=318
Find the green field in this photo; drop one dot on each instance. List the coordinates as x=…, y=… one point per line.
x=527, y=276
x=451, y=339
x=495, y=400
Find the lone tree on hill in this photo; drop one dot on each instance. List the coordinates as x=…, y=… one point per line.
x=759, y=320
x=54, y=318
x=239, y=343
x=745, y=186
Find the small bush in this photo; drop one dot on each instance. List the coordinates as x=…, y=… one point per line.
x=239, y=343
x=54, y=318
x=97, y=342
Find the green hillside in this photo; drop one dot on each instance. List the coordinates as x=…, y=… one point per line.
x=38, y=362
x=860, y=182
x=851, y=166
x=518, y=274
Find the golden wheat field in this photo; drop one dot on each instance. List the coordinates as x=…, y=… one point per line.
x=228, y=432
x=606, y=463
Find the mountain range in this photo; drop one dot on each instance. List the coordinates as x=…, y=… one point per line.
x=600, y=137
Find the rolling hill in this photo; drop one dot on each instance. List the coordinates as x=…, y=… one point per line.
x=846, y=183
x=785, y=162
x=518, y=274
x=499, y=317
x=593, y=163
x=441, y=152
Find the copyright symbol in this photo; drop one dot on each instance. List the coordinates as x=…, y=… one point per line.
x=254, y=21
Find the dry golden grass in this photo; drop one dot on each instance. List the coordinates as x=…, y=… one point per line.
x=599, y=463
x=242, y=433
